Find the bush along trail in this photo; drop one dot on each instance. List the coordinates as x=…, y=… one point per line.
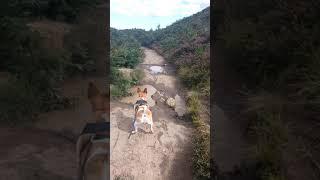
x=165, y=154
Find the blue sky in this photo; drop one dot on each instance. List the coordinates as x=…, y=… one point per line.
x=147, y=14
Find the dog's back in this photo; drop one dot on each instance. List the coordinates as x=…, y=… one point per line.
x=143, y=115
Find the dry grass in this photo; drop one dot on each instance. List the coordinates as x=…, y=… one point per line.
x=201, y=140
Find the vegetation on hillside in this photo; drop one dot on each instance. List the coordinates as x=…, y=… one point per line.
x=186, y=44
x=125, y=52
x=61, y=10
x=274, y=46
x=34, y=68
x=201, y=140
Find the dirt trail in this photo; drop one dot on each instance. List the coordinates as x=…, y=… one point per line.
x=165, y=154
x=46, y=149
x=229, y=145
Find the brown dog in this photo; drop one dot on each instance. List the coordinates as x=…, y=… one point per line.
x=93, y=143
x=99, y=102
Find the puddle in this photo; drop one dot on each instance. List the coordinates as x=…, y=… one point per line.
x=180, y=107
x=156, y=69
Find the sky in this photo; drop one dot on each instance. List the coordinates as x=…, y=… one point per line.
x=147, y=14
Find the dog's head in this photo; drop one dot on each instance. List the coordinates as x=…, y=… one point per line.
x=99, y=101
x=142, y=94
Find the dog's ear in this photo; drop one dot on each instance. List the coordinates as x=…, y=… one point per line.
x=145, y=90
x=138, y=90
x=92, y=90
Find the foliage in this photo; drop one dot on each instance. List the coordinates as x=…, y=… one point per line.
x=201, y=141
x=64, y=10
x=186, y=44
x=81, y=59
x=35, y=69
x=125, y=52
x=17, y=102
x=125, y=49
x=136, y=76
x=24, y=57
x=270, y=136
x=274, y=46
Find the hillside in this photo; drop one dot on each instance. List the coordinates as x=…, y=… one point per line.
x=186, y=43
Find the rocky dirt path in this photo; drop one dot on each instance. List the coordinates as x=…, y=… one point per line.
x=229, y=144
x=46, y=149
x=165, y=154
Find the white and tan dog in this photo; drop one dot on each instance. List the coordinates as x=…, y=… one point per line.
x=143, y=114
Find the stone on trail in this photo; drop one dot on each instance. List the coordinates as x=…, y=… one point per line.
x=180, y=107
x=171, y=102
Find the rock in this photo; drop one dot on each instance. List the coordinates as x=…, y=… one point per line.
x=162, y=100
x=171, y=102
x=156, y=96
x=180, y=107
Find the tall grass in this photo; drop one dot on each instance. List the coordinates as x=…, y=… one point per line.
x=269, y=133
x=200, y=141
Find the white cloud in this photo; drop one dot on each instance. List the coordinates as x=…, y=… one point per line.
x=157, y=7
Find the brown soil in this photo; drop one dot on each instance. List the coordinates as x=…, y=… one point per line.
x=229, y=145
x=47, y=149
x=165, y=154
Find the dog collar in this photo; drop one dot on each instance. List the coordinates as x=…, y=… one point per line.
x=141, y=102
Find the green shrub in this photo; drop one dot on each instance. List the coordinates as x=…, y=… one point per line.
x=195, y=77
x=270, y=136
x=119, y=84
x=125, y=56
x=81, y=61
x=18, y=103
x=63, y=10
x=136, y=76
x=36, y=70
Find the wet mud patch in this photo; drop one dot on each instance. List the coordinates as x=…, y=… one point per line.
x=164, y=164
x=124, y=123
x=181, y=167
x=159, y=137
